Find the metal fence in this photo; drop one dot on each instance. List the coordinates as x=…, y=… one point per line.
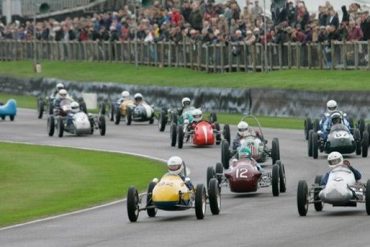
x=211, y=58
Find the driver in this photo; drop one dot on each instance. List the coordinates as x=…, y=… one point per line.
x=191, y=120
x=58, y=87
x=243, y=132
x=245, y=153
x=75, y=108
x=125, y=95
x=185, y=105
x=333, y=119
x=138, y=99
x=326, y=120
x=62, y=95
x=176, y=166
x=335, y=159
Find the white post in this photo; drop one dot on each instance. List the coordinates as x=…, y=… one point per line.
x=7, y=6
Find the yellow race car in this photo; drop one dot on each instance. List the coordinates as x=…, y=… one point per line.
x=172, y=194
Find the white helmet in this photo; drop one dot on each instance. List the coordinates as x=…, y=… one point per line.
x=335, y=159
x=185, y=101
x=175, y=165
x=331, y=106
x=125, y=94
x=62, y=93
x=197, y=115
x=138, y=96
x=60, y=86
x=75, y=107
x=243, y=128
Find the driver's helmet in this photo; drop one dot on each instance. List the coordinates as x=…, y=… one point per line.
x=75, y=107
x=336, y=118
x=335, y=159
x=60, y=86
x=175, y=165
x=243, y=128
x=197, y=115
x=138, y=97
x=185, y=102
x=125, y=94
x=62, y=93
x=331, y=106
x=244, y=152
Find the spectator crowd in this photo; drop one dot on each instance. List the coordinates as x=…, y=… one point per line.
x=205, y=22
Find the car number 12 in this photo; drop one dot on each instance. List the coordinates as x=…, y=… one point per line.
x=241, y=173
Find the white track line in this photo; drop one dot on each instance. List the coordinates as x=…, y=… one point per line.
x=82, y=210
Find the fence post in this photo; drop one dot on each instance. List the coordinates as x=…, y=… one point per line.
x=309, y=54
x=222, y=62
x=298, y=55
x=254, y=55
x=280, y=54
x=245, y=57
x=356, y=48
x=207, y=58
x=289, y=55
x=344, y=55
x=319, y=52
x=199, y=55
x=332, y=54
x=169, y=54
x=184, y=60
x=230, y=58
x=368, y=54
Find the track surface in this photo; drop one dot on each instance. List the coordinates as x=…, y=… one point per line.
x=257, y=219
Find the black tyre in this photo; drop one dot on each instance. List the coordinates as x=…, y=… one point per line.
x=309, y=143
x=51, y=107
x=118, y=117
x=174, y=118
x=368, y=130
x=111, y=113
x=151, y=210
x=307, y=127
x=40, y=108
x=226, y=133
x=129, y=116
x=11, y=117
x=357, y=136
x=173, y=134
x=361, y=126
x=180, y=136
x=275, y=180
x=275, y=150
x=162, y=121
x=225, y=154
x=102, y=125
x=315, y=145
x=219, y=172
x=132, y=204
x=200, y=201
x=214, y=196
x=102, y=109
x=316, y=125
x=83, y=106
x=218, y=134
x=51, y=125
x=367, y=197
x=151, y=120
x=302, y=198
x=213, y=117
x=2, y=117
x=60, y=127
x=317, y=201
x=282, y=177
x=365, y=143
x=210, y=174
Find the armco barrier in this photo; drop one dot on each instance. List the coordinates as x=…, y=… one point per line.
x=268, y=102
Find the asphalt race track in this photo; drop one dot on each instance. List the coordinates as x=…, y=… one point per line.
x=257, y=219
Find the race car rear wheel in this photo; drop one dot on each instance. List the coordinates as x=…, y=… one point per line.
x=213, y=117
x=368, y=130
x=102, y=125
x=174, y=118
x=367, y=197
x=307, y=127
x=40, y=108
x=315, y=145
x=225, y=154
x=282, y=177
x=361, y=126
x=365, y=143
x=226, y=133
x=51, y=125
x=302, y=198
x=180, y=136
x=102, y=108
x=200, y=201
x=275, y=150
x=275, y=180
x=309, y=143
x=12, y=117
x=162, y=121
x=317, y=201
x=128, y=116
x=132, y=204
x=111, y=113
x=214, y=196
x=118, y=117
x=210, y=174
x=316, y=125
x=219, y=172
x=173, y=134
x=151, y=211
x=357, y=136
x=218, y=134
x=60, y=127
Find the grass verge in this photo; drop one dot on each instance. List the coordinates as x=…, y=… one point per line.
x=312, y=80
x=39, y=181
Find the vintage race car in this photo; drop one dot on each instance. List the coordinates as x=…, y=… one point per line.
x=202, y=133
x=258, y=146
x=339, y=139
x=172, y=194
x=9, y=109
x=341, y=190
x=244, y=176
x=78, y=123
x=47, y=104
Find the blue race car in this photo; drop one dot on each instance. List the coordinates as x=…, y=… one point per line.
x=9, y=109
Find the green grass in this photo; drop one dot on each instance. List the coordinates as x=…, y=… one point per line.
x=314, y=80
x=39, y=181
x=22, y=100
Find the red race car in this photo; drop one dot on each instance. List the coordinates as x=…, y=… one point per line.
x=244, y=175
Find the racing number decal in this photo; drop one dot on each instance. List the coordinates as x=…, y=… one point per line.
x=241, y=173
